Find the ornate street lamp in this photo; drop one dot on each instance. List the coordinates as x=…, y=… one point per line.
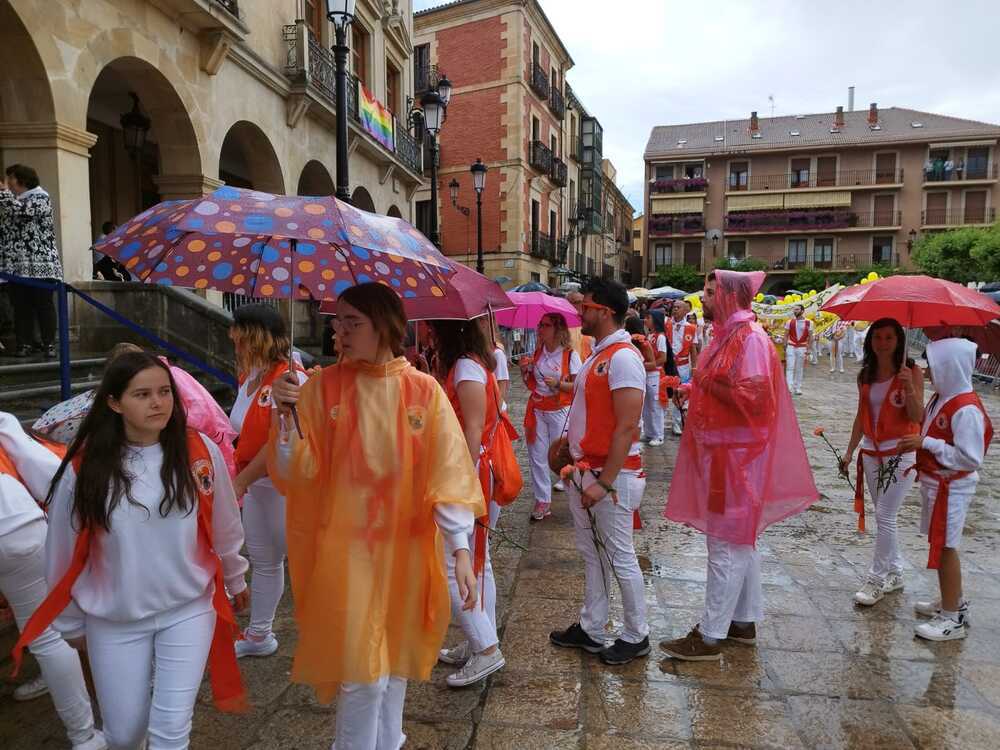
x=479, y=184
x=433, y=106
x=135, y=128
x=341, y=14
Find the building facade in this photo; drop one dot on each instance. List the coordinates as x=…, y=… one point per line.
x=234, y=92
x=836, y=191
x=616, y=229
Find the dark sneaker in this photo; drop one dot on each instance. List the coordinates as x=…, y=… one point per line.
x=622, y=652
x=575, y=637
x=23, y=351
x=743, y=633
x=691, y=648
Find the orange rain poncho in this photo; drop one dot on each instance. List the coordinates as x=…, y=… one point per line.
x=742, y=465
x=381, y=448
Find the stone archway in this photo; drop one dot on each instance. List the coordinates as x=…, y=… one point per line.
x=362, y=199
x=122, y=183
x=248, y=160
x=315, y=180
x=25, y=94
x=394, y=211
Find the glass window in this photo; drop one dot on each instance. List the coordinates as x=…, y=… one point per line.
x=315, y=17
x=663, y=253
x=392, y=87
x=739, y=173
x=664, y=171
x=797, y=252
x=882, y=249
x=823, y=252
x=359, y=53
x=736, y=249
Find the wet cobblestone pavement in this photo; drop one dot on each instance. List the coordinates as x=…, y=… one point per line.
x=825, y=674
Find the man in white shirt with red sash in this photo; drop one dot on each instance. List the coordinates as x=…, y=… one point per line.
x=605, y=484
x=798, y=333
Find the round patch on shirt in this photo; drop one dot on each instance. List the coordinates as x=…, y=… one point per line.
x=204, y=476
x=264, y=397
x=417, y=416
x=941, y=422
x=897, y=399
x=602, y=367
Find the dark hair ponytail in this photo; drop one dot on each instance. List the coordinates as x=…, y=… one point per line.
x=102, y=480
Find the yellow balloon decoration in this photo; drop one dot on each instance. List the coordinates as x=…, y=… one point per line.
x=812, y=293
x=872, y=276
x=759, y=297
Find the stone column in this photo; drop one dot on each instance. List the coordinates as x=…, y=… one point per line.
x=60, y=153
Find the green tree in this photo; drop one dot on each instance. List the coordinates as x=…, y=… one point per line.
x=683, y=277
x=808, y=279
x=746, y=264
x=949, y=255
x=986, y=253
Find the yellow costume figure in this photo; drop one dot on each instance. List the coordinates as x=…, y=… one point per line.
x=381, y=448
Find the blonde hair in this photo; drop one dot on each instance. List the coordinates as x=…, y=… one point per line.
x=560, y=329
x=258, y=348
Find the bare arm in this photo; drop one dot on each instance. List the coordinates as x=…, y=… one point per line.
x=256, y=469
x=472, y=400
x=914, y=381
x=504, y=386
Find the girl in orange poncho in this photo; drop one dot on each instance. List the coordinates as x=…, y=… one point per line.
x=382, y=467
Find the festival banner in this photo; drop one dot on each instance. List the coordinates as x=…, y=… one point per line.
x=375, y=118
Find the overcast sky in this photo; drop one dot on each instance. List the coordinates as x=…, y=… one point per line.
x=640, y=63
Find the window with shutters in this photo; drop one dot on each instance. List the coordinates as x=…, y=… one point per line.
x=315, y=17
x=797, y=253
x=359, y=53
x=392, y=87
x=823, y=252
x=739, y=175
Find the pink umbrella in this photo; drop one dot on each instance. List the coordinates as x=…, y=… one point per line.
x=468, y=295
x=531, y=306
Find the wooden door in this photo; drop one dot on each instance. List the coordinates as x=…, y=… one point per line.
x=692, y=254
x=885, y=169
x=826, y=171
x=884, y=206
x=975, y=207
x=937, y=209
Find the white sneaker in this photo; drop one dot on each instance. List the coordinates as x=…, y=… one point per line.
x=932, y=608
x=833, y=369
x=798, y=391
x=253, y=647
x=871, y=593
x=96, y=742
x=541, y=511
x=678, y=431
x=30, y=690
x=841, y=369
x=456, y=656
x=655, y=443
x=892, y=582
x=478, y=667
x=559, y=486
x=942, y=628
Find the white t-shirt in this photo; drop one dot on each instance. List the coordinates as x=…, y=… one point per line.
x=660, y=347
x=501, y=372
x=244, y=398
x=626, y=370
x=677, y=335
x=467, y=369
x=876, y=395
x=549, y=365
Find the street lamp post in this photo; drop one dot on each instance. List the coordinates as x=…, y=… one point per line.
x=135, y=127
x=479, y=184
x=341, y=13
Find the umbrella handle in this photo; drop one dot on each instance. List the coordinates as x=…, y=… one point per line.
x=291, y=335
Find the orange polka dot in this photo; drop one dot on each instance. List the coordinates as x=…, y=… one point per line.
x=328, y=274
x=244, y=260
x=395, y=258
x=132, y=262
x=201, y=283
x=196, y=246
x=284, y=213
x=236, y=207
x=225, y=226
x=267, y=290
x=436, y=291
x=214, y=255
x=238, y=279
x=306, y=266
x=410, y=281
x=316, y=233
x=133, y=228
x=345, y=269
x=314, y=208
x=182, y=271
x=151, y=230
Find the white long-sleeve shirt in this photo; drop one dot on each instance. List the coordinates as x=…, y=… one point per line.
x=146, y=564
x=965, y=454
x=19, y=500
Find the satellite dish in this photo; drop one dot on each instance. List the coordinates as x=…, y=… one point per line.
x=713, y=235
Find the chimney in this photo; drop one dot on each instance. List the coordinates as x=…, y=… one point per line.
x=873, y=114
x=850, y=98
x=838, y=120
x=754, y=123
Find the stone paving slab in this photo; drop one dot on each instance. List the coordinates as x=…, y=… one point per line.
x=825, y=674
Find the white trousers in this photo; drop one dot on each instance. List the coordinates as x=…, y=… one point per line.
x=480, y=623
x=615, y=560
x=732, y=589
x=859, y=346
x=887, y=557
x=170, y=649
x=652, y=412
x=264, y=526
x=22, y=583
x=550, y=426
x=676, y=415
x=370, y=715
x=795, y=359
x=960, y=496
x=837, y=354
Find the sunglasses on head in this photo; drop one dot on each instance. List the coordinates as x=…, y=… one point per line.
x=595, y=306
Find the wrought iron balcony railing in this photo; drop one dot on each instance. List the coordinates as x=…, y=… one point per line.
x=963, y=172
x=970, y=216
x=425, y=78
x=540, y=157
x=814, y=220
x=841, y=178
x=559, y=172
x=557, y=103
x=680, y=185
x=660, y=224
x=541, y=246
x=539, y=81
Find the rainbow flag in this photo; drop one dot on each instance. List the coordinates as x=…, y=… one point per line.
x=375, y=118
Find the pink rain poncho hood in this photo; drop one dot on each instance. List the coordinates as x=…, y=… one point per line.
x=742, y=465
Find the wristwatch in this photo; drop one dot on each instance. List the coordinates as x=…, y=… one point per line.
x=607, y=487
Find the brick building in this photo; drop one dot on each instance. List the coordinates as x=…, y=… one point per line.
x=838, y=190
x=511, y=106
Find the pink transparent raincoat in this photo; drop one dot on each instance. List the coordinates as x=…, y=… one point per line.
x=741, y=465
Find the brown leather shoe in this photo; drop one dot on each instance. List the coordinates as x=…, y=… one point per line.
x=743, y=633
x=691, y=648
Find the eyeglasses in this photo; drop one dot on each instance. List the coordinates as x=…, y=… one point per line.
x=595, y=306
x=345, y=325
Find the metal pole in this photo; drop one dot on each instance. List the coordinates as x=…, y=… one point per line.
x=62, y=309
x=340, y=50
x=435, y=237
x=480, y=266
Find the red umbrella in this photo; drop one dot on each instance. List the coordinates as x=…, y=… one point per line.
x=986, y=337
x=468, y=295
x=915, y=301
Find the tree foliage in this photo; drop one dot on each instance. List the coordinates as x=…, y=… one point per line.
x=960, y=255
x=683, y=277
x=808, y=279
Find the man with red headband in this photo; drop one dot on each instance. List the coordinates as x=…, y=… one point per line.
x=741, y=465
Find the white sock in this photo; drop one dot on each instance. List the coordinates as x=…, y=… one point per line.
x=709, y=641
x=953, y=616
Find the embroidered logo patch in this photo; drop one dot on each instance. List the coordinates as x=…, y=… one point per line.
x=941, y=422
x=897, y=398
x=416, y=415
x=204, y=476
x=264, y=397
x=601, y=368
x=334, y=413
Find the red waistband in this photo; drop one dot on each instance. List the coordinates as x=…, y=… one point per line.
x=632, y=463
